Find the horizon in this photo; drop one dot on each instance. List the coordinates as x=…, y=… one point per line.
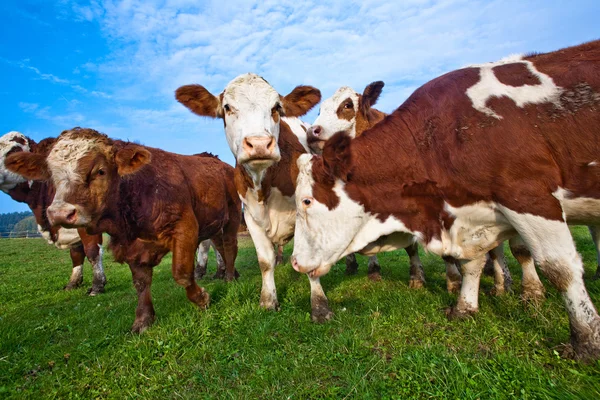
x=114, y=66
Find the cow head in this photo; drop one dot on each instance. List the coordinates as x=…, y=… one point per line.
x=327, y=220
x=12, y=142
x=251, y=111
x=85, y=167
x=346, y=111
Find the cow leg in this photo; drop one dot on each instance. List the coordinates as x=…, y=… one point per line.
x=92, y=246
x=77, y=258
x=374, y=270
x=351, y=264
x=553, y=249
x=184, y=246
x=532, y=288
x=417, y=275
x=221, y=265
x=226, y=244
x=202, y=259
x=266, y=260
x=453, y=276
x=144, y=313
x=279, y=257
x=594, y=231
x=468, y=299
x=320, y=311
x=502, y=277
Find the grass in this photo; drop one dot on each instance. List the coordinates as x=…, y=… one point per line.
x=385, y=341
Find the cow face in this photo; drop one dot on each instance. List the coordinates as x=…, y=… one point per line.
x=85, y=167
x=346, y=111
x=10, y=143
x=251, y=111
x=327, y=220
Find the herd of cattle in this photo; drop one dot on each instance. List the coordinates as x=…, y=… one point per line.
x=491, y=152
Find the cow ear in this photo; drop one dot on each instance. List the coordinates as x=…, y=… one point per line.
x=337, y=155
x=200, y=101
x=300, y=101
x=370, y=95
x=30, y=166
x=131, y=158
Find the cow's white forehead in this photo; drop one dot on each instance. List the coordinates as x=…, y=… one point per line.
x=250, y=89
x=68, y=149
x=331, y=105
x=7, y=142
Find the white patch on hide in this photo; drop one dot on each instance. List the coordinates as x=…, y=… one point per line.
x=489, y=86
x=578, y=210
x=298, y=128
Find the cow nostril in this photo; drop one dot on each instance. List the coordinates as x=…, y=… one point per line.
x=72, y=216
x=248, y=144
x=317, y=131
x=271, y=144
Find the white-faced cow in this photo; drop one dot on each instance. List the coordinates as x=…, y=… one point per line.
x=148, y=200
x=38, y=196
x=258, y=127
x=470, y=159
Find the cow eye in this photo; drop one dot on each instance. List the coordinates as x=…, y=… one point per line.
x=348, y=105
x=101, y=172
x=307, y=201
x=226, y=107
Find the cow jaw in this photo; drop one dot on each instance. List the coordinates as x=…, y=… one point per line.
x=252, y=121
x=11, y=142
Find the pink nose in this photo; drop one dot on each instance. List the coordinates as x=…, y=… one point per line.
x=295, y=264
x=259, y=146
x=63, y=215
x=314, y=131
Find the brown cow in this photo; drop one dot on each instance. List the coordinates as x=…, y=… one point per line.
x=472, y=158
x=148, y=200
x=38, y=196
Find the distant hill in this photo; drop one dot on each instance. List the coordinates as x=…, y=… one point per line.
x=9, y=220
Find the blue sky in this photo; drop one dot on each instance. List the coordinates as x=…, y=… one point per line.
x=114, y=65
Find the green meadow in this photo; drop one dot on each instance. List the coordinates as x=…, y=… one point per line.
x=385, y=340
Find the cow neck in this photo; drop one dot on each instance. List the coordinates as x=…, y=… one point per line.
x=281, y=175
x=372, y=118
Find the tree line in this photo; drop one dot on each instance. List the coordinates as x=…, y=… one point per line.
x=17, y=224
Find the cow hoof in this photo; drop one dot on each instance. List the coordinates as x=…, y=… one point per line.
x=453, y=287
x=498, y=291
x=453, y=313
x=93, y=291
x=321, y=315
x=535, y=296
x=269, y=303
x=204, y=300
x=416, y=284
x=71, y=286
x=237, y=274
x=219, y=275
x=232, y=277
x=374, y=276
x=141, y=325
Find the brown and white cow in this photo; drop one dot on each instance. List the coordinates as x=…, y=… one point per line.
x=353, y=113
x=148, y=200
x=38, y=196
x=259, y=127
x=470, y=159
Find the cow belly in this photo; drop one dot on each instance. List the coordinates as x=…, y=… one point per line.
x=580, y=210
x=476, y=229
x=391, y=242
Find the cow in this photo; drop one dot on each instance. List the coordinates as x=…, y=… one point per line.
x=148, y=200
x=202, y=260
x=352, y=112
x=38, y=196
x=469, y=160
x=262, y=130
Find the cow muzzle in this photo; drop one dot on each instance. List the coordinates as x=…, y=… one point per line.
x=64, y=214
x=314, y=139
x=313, y=273
x=260, y=149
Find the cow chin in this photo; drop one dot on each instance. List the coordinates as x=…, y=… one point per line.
x=316, y=146
x=257, y=164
